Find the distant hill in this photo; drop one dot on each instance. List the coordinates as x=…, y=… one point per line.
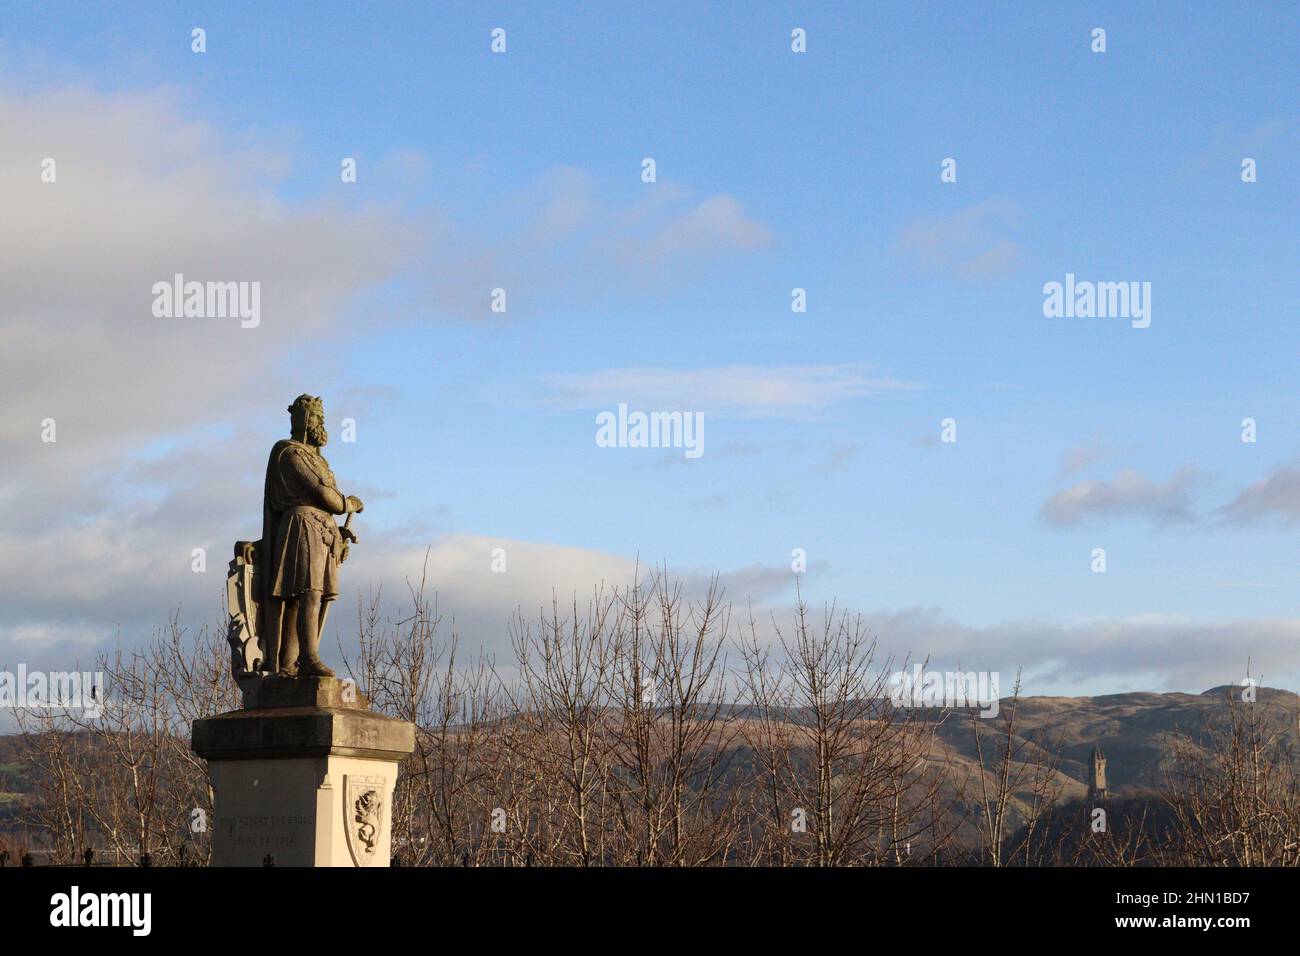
x=14, y=778
x=1135, y=731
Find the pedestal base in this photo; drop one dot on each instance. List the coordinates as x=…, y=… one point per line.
x=307, y=785
x=304, y=811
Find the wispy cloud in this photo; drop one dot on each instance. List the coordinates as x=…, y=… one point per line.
x=565, y=243
x=971, y=243
x=1092, y=450
x=740, y=390
x=713, y=225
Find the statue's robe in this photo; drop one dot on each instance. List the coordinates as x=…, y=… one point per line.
x=301, y=545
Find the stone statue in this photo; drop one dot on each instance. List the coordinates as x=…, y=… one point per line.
x=279, y=588
x=305, y=765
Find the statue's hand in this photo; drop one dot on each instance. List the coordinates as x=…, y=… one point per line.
x=354, y=504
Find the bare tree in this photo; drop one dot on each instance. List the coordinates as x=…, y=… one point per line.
x=119, y=775
x=1235, y=791
x=1010, y=785
x=834, y=757
x=672, y=732
x=559, y=726
x=410, y=672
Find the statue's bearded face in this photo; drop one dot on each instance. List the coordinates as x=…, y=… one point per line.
x=307, y=419
x=316, y=433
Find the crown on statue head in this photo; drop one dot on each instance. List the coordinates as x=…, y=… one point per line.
x=306, y=403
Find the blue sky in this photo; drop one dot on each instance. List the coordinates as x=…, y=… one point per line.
x=775, y=170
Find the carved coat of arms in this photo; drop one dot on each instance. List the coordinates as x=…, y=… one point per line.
x=363, y=816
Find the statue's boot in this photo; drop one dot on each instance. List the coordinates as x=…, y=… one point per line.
x=313, y=666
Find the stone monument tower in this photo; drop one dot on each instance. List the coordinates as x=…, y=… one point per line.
x=1097, y=775
x=304, y=772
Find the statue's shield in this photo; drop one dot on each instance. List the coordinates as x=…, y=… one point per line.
x=363, y=816
x=241, y=604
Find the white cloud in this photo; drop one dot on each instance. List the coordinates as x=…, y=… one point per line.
x=102, y=522
x=1276, y=496
x=1149, y=652
x=1128, y=493
x=143, y=193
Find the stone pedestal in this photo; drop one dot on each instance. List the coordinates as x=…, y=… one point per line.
x=305, y=773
